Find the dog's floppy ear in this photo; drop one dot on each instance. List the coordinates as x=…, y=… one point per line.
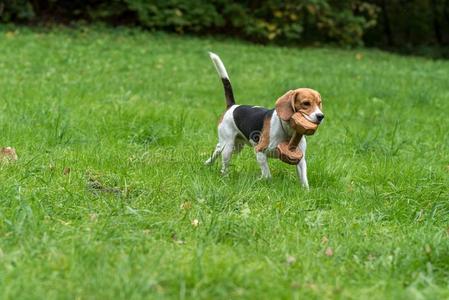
x=284, y=105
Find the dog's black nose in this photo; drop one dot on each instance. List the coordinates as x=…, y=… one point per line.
x=320, y=117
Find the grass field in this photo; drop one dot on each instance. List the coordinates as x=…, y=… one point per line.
x=110, y=198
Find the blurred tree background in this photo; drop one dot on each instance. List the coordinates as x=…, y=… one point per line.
x=404, y=24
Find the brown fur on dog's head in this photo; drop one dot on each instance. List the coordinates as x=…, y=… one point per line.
x=302, y=100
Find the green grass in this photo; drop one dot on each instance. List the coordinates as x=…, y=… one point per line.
x=133, y=115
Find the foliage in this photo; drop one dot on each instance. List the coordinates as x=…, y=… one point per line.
x=177, y=15
x=346, y=22
x=16, y=10
x=342, y=22
x=408, y=23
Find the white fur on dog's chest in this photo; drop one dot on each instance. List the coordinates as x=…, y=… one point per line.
x=277, y=133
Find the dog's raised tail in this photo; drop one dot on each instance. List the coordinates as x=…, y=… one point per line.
x=229, y=95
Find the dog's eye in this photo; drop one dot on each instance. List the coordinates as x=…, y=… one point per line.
x=306, y=103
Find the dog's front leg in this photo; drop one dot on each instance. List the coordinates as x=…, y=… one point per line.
x=263, y=163
x=301, y=167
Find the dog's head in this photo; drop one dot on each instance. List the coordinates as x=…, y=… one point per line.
x=305, y=101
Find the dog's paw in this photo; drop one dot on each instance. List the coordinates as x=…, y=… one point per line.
x=264, y=178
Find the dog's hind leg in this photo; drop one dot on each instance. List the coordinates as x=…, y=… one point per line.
x=225, y=134
x=226, y=145
x=217, y=152
x=226, y=155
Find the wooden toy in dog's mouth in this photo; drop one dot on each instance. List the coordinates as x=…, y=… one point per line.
x=301, y=125
x=288, y=151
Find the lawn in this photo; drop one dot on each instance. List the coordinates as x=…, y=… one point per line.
x=110, y=199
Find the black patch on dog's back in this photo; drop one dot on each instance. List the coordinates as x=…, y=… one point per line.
x=249, y=120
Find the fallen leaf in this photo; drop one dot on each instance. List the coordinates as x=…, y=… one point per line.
x=8, y=154
x=239, y=291
x=186, y=205
x=195, y=222
x=290, y=260
x=324, y=240
x=10, y=34
x=96, y=186
x=66, y=171
x=93, y=217
x=329, y=252
x=295, y=285
x=64, y=222
x=176, y=240
x=245, y=211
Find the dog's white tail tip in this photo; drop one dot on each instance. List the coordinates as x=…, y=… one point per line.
x=212, y=55
x=218, y=65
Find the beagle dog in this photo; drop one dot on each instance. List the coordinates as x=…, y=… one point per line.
x=264, y=129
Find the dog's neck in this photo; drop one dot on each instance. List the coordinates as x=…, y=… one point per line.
x=284, y=129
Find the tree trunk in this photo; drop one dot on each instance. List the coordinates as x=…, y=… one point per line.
x=386, y=21
x=436, y=23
